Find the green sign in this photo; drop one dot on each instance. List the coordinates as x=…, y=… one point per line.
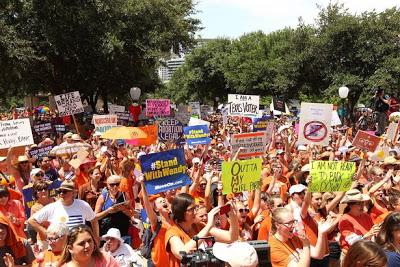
x=241, y=175
x=331, y=176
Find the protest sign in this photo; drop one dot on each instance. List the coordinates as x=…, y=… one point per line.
x=253, y=144
x=40, y=152
x=102, y=123
x=205, y=110
x=197, y=135
x=279, y=104
x=158, y=107
x=60, y=128
x=113, y=109
x=195, y=109
x=69, y=104
x=123, y=117
x=170, y=130
x=243, y=105
x=364, y=140
x=335, y=119
x=29, y=198
x=43, y=128
x=239, y=176
x=152, y=136
x=164, y=171
x=331, y=176
x=392, y=131
x=315, y=123
x=195, y=121
x=262, y=124
x=183, y=114
x=15, y=133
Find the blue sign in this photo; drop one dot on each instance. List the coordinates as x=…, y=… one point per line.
x=259, y=124
x=171, y=130
x=197, y=135
x=164, y=171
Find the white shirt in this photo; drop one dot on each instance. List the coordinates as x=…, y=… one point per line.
x=77, y=213
x=125, y=255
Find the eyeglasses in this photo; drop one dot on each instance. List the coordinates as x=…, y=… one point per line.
x=23, y=162
x=244, y=210
x=191, y=209
x=42, y=190
x=54, y=239
x=113, y=184
x=280, y=205
x=289, y=224
x=62, y=191
x=41, y=174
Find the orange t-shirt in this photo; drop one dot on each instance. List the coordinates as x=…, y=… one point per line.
x=348, y=225
x=16, y=209
x=81, y=179
x=284, y=252
x=381, y=217
x=159, y=254
x=48, y=258
x=126, y=185
x=377, y=210
x=281, y=183
x=176, y=231
x=265, y=229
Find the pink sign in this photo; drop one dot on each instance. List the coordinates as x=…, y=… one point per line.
x=157, y=107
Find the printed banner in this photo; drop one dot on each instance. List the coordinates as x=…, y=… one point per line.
x=331, y=176
x=170, y=130
x=253, y=144
x=364, y=140
x=239, y=176
x=43, y=128
x=164, y=171
x=195, y=109
x=69, y=104
x=262, y=124
x=60, y=128
x=113, y=109
x=197, y=135
x=123, y=117
x=102, y=123
x=279, y=104
x=15, y=133
x=315, y=123
x=243, y=105
x=158, y=107
x=30, y=201
x=40, y=152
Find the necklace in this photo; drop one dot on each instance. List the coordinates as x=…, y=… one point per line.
x=291, y=248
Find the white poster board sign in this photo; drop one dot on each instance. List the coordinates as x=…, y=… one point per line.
x=102, y=123
x=335, y=119
x=253, y=144
x=69, y=104
x=15, y=133
x=195, y=121
x=194, y=109
x=243, y=105
x=315, y=123
x=113, y=109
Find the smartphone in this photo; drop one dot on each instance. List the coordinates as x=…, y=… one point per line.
x=225, y=209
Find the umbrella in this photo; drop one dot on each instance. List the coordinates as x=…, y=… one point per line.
x=68, y=149
x=124, y=133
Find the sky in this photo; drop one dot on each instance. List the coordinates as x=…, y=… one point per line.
x=233, y=18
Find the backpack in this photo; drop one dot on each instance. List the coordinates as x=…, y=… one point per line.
x=147, y=242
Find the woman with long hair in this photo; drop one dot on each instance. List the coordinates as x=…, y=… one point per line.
x=365, y=253
x=389, y=238
x=180, y=236
x=92, y=189
x=81, y=250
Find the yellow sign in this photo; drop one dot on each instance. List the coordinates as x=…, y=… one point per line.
x=331, y=176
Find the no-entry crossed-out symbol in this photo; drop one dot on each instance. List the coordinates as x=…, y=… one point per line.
x=315, y=131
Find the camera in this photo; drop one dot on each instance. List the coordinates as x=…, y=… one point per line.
x=200, y=257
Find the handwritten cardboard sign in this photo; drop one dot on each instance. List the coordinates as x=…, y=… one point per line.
x=243, y=105
x=331, y=176
x=15, y=133
x=239, y=176
x=197, y=135
x=102, y=123
x=158, y=107
x=164, y=171
x=170, y=130
x=364, y=140
x=315, y=123
x=253, y=144
x=69, y=104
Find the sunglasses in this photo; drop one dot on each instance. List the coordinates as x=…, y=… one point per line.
x=41, y=174
x=244, y=210
x=63, y=191
x=23, y=162
x=113, y=184
x=54, y=239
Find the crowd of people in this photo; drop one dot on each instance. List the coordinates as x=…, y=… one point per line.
x=97, y=212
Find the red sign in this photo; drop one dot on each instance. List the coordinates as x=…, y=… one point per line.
x=364, y=140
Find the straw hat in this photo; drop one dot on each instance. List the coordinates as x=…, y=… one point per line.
x=354, y=195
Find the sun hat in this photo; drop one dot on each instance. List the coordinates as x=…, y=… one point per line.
x=35, y=171
x=69, y=134
x=302, y=148
x=306, y=168
x=237, y=254
x=354, y=195
x=22, y=158
x=297, y=188
x=113, y=233
x=76, y=137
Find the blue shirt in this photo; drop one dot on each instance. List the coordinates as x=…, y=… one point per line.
x=393, y=258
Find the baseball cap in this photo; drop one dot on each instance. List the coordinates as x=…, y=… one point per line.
x=67, y=185
x=35, y=171
x=195, y=160
x=297, y=188
x=237, y=254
